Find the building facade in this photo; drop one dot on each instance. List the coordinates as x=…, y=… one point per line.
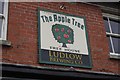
x=28, y=52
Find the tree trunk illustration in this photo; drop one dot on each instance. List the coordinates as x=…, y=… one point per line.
x=64, y=45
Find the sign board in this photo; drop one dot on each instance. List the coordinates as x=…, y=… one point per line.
x=63, y=39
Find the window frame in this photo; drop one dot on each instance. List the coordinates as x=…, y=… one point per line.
x=4, y=16
x=111, y=34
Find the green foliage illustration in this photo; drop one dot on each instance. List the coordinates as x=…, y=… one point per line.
x=63, y=34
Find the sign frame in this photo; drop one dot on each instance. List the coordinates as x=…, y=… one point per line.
x=57, y=63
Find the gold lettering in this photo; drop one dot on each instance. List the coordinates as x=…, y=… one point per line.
x=55, y=54
x=78, y=57
x=52, y=59
x=65, y=57
x=71, y=56
x=76, y=62
x=50, y=53
x=62, y=55
x=80, y=62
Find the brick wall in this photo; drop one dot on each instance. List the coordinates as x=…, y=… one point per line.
x=23, y=34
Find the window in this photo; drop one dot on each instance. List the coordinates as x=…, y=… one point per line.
x=112, y=26
x=3, y=19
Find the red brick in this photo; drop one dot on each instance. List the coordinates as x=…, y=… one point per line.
x=22, y=32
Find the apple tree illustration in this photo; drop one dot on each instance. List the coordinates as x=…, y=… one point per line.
x=63, y=34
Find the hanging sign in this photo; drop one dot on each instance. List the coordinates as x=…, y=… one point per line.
x=63, y=39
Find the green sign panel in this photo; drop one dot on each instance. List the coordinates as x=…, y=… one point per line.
x=63, y=39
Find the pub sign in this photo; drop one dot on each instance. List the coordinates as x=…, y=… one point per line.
x=63, y=39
